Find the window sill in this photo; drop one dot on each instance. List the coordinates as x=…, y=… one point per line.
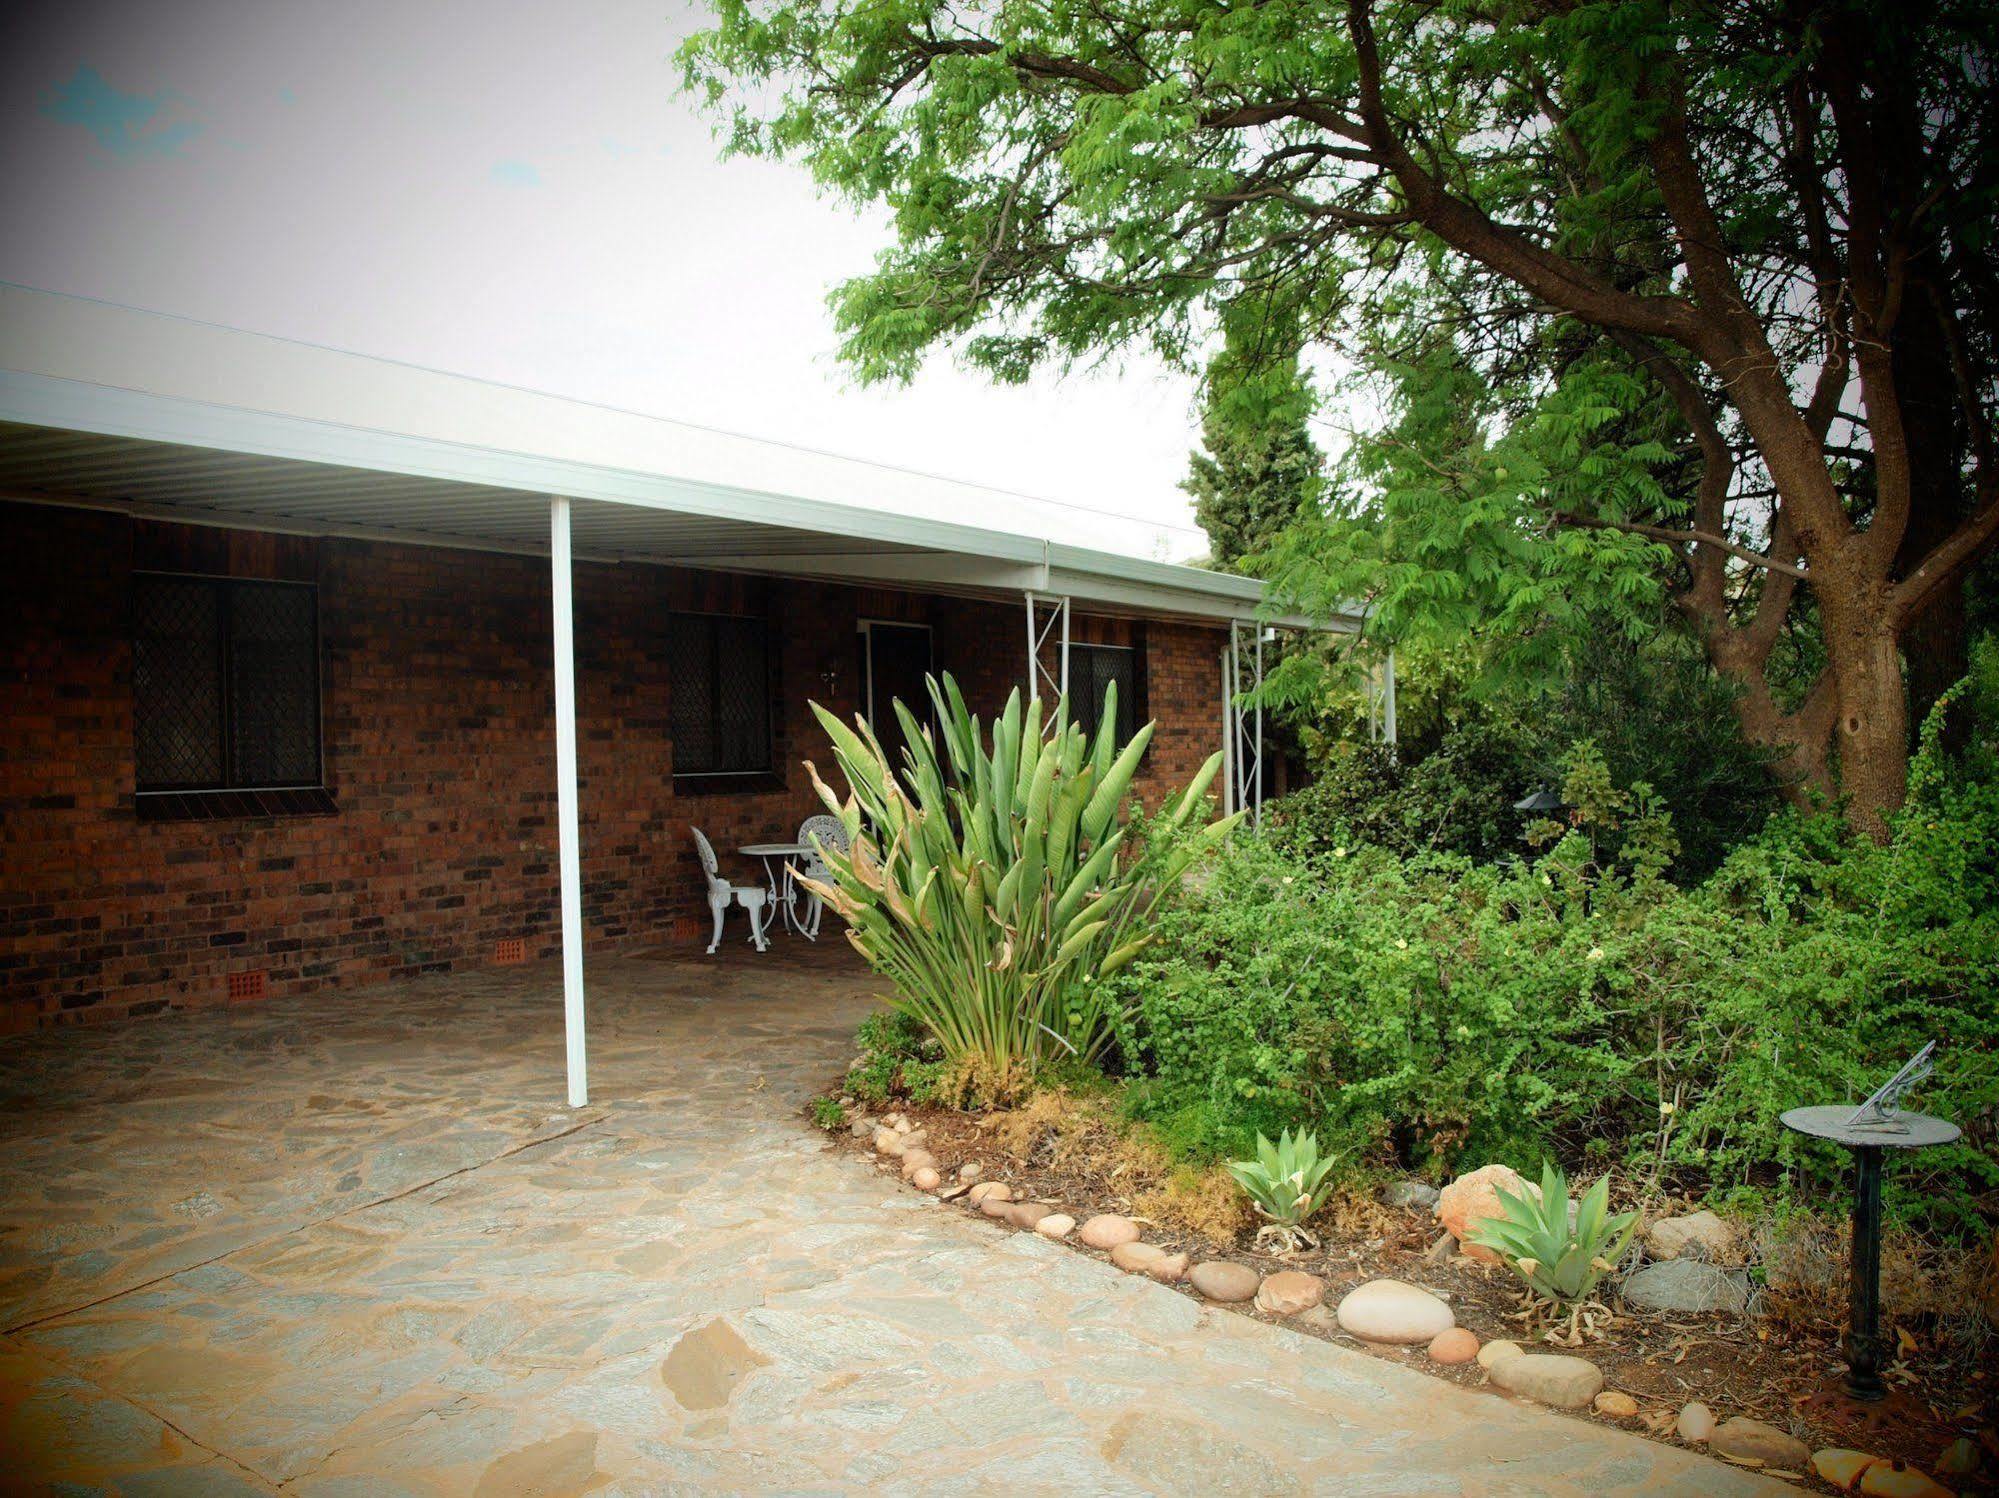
x=755, y=783
x=233, y=805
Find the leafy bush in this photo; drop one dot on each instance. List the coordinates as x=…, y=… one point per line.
x=992, y=887
x=1656, y=712
x=1440, y=1012
x=896, y=1061
x=1457, y=799
x=1561, y=1264
x=1661, y=716
x=1286, y=1183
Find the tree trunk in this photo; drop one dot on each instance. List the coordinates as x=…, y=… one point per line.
x=1871, y=729
x=1935, y=642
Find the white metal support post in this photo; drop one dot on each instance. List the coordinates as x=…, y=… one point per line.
x=1228, y=731
x=1039, y=632
x=1388, y=700
x=567, y=833
x=1244, y=729
x=1381, y=703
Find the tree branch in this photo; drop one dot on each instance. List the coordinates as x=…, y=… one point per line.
x=1676, y=536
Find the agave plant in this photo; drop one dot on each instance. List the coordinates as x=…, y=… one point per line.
x=993, y=886
x=1286, y=1183
x=1562, y=1265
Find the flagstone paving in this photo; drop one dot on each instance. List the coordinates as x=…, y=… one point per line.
x=355, y=1244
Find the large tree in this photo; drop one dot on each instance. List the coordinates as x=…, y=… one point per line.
x=1701, y=298
x=1257, y=472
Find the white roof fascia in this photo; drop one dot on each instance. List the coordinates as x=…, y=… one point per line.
x=74, y=364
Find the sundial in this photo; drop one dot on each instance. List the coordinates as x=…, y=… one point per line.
x=1877, y=1124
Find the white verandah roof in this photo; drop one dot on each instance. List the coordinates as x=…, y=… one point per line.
x=114, y=407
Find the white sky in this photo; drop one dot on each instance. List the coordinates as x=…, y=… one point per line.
x=515, y=191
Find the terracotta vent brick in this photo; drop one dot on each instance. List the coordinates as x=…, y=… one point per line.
x=510, y=949
x=244, y=987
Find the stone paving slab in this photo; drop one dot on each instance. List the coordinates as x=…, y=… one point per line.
x=355, y=1245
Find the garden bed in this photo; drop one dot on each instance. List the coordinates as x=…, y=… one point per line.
x=1765, y=1367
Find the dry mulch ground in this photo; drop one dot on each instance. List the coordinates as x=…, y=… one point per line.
x=1775, y=1369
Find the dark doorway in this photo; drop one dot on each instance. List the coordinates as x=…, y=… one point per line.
x=895, y=659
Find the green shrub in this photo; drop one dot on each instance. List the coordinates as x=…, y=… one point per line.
x=1441, y=1012
x=995, y=886
x=1659, y=714
x=1656, y=712
x=896, y=1062
x=1456, y=799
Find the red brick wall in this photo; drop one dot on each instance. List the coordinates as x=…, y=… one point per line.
x=439, y=750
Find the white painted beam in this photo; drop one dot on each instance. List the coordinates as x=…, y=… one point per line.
x=945, y=569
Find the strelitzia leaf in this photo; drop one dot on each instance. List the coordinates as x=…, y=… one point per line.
x=985, y=879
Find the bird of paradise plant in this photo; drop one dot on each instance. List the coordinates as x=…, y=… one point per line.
x=996, y=885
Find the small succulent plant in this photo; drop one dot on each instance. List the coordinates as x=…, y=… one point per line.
x=1561, y=1264
x=1286, y=1183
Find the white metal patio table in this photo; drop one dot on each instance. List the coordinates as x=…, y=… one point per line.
x=778, y=872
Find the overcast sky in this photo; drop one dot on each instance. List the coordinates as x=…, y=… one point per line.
x=513, y=190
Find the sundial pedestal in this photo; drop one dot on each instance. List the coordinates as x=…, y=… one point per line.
x=1868, y=1138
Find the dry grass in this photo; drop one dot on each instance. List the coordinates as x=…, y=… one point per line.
x=1084, y=1138
x=1205, y=1202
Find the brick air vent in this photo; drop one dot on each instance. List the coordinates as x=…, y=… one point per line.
x=247, y=986
x=510, y=949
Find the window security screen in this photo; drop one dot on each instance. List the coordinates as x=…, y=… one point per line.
x=225, y=683
x=720, y=689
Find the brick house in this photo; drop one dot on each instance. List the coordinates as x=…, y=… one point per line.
x=315, y=667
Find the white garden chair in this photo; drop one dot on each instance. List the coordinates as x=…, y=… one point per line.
x=754, y=898
x=831, y=832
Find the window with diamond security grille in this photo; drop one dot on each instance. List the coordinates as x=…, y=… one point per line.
x=720, y=691
x=225, y=683
x=1093, y=668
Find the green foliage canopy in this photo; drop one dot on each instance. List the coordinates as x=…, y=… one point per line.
x=1642, y=288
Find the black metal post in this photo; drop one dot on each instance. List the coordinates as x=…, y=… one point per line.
x=1863, y=1336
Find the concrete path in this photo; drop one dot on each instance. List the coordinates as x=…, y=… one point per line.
x=355, y=1245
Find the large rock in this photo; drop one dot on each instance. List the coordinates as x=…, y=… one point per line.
x=1289, y=1291
x=1687, y=1285
x=1551, y=1378
x=1492, y=1352
x=1697, y=1235
x=1616, y=1404
x=1390, y=1311
x=1747, y=1440
x=1107, y=1230
x=983, y=1190
x=1222, y=1281
x=1056, y=1225
x=1471, y=1198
